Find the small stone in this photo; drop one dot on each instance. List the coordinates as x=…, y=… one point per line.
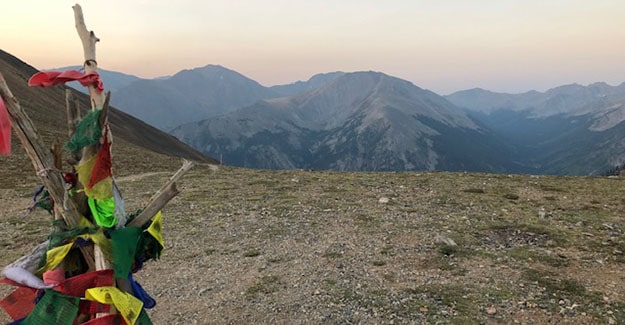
x=384, y=200
x=423, y=310
x=445, y=240
x=491, y=310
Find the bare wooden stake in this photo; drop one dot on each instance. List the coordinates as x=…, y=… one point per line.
x=98, y=101
x=167, y=192
x=88, y=40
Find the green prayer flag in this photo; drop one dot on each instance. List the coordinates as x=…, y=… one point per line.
x=54, y=308
x=124, y=249
x=88, y=131
x=143, y=319
x=103, y=211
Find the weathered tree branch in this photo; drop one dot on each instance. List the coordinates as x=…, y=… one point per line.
x=41, y=158
x=73, y=117
x=105, y=109
x=88, y=40
x=98, y=101
x=167, y=192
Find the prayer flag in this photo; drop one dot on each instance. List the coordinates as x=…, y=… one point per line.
x=5, y=130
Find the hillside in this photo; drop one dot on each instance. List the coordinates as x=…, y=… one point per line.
x=135, y=142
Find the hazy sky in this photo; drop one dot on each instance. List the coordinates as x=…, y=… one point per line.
x=441, y=45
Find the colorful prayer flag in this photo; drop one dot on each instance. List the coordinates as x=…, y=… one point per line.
x=53, y=308
x=53, y=78
x=127, y=305
x=125, y=242
x=5, y=130
x=156, y=227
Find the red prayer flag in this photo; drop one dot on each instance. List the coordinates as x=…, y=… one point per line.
x=5, y=130
x=53, y=78
x=19, y=303
x=103, y=164
x=114, y=319
x=77, y=285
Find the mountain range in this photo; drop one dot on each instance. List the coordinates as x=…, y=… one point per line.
x=368, y=120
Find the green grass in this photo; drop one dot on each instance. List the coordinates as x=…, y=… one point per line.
x=265, y=285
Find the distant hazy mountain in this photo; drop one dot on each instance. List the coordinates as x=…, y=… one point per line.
x=571, y=99
x=571, y=129
x=112, y=80
x=356, y=121
x=370, y=121
x=299, y=87
x=189, y=95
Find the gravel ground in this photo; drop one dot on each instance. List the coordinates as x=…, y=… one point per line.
x=308, y=247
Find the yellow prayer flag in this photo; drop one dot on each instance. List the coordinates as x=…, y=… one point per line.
x=102, y=189
x=55, y=256
x=100, y=240
x=156, y=227
x=127, y=305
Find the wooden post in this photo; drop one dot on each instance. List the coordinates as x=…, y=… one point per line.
x=98, y=101
x=89, y=41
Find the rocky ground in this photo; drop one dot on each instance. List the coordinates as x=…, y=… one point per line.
x=307, y=247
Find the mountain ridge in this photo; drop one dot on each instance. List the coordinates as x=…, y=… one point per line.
x=358, y=121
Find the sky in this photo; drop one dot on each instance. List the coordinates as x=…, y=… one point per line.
x=440, y=45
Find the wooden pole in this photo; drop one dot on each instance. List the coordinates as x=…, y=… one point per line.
x=89, y=41
x=98, y=100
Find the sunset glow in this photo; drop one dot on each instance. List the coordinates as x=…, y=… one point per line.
x=444, y=46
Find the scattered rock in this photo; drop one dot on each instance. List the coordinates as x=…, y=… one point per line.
x=445, y=240
x=384, y=200
x=491, y=310
x=541, y=212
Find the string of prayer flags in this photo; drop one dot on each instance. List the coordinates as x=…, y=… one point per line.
x=77, y=286
x=5, y=130
x=127, y=305
x=53, y=308
x=53, y=78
